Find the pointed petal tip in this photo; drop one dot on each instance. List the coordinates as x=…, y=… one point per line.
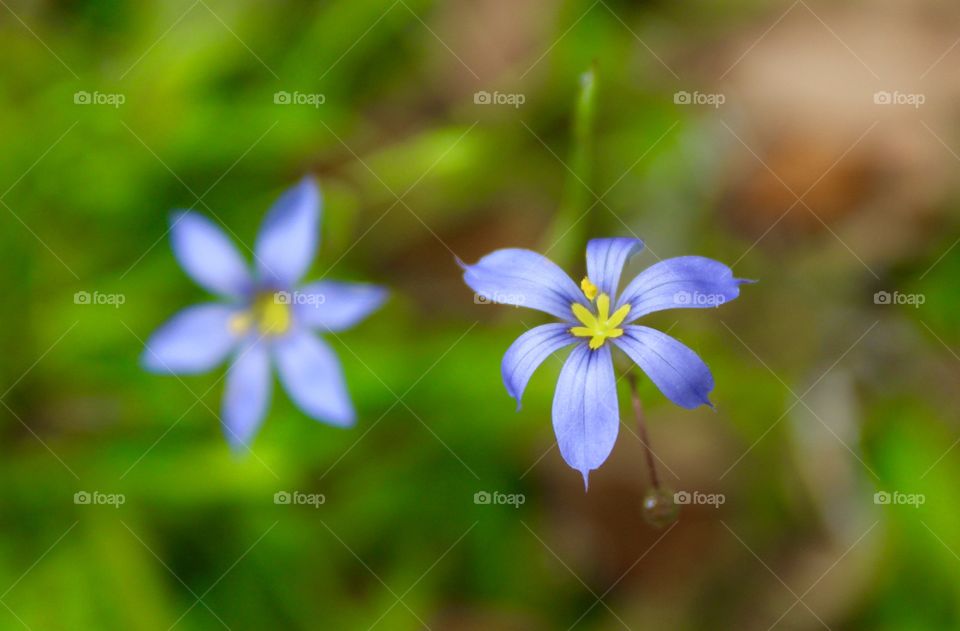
x=586, y=480
x=380, y=295
x=308, y=181
x=238, y=448
x=344, y=418
x=345, y=422
x=150, y=363
x=147, y=361
x=512, y=394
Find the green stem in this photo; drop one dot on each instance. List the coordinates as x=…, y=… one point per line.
x=569, y=229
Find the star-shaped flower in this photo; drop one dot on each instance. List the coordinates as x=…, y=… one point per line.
x=263, y=319
x=586, y=415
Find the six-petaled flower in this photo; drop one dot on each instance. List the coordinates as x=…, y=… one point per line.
x=586, y=417
x=264, y=319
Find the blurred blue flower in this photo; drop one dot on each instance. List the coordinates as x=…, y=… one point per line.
x=262, y=319
x=585, y=411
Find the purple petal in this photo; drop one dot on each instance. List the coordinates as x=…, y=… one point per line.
x=311, y=375
x=586, y=417
x=605, y=261
x=288, y=237
x=336, y=306
x=525, y=279
x=527, y=353
x=246, y=396
x=193, y=341
x=675, y=369
x=685, y=282
x=208, y=255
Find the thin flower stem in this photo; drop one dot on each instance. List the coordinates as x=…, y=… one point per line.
x=642, y=430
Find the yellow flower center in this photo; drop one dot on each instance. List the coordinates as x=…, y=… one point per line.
x=269, y=312
x=598, y=327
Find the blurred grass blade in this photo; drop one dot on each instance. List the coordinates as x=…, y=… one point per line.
x=568, y=234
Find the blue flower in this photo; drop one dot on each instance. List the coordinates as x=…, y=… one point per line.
x=586, y=417
x=262, y=318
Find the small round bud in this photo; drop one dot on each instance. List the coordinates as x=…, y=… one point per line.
x=659, y=508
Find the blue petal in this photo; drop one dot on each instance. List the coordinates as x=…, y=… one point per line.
x=685, y=282
x=527, y=353
x=525, y=279
x=246, y=396
x=288, y=237
x=311, y=375
x=193, y=341
x=605, y=261
x=586, y=417
x=675, y=369
x=336, y=306
x=208, y=255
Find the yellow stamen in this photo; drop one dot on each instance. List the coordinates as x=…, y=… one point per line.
x=603, y=307
x=268, y=312
x=589, y=289
x=602, y=325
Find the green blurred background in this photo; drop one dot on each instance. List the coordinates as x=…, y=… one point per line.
x=788, y=162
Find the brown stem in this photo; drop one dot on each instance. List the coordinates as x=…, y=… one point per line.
x=642, y=429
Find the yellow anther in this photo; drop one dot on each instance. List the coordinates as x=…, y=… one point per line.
x=589, y=289
x=600, y=326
